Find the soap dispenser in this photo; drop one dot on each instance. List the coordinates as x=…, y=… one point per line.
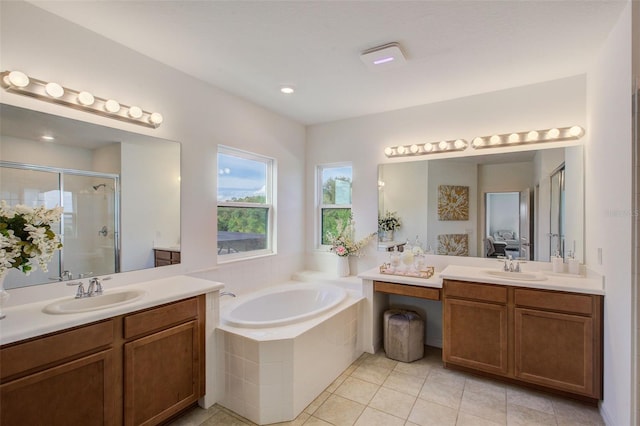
x=573, y=264
x=557, y=264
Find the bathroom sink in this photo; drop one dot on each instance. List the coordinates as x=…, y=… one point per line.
x=87, y=304
x=520, y=276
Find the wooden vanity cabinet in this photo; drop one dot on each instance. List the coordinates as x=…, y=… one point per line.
x=67, y=378
x=546, y=338
x=558, y=340
x=165, y=257
x=163, y=361
x=136, y=369
x=475, y=326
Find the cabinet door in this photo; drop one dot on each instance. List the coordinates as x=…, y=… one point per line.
x=556, y=350
x=80, y=392
x=161, y=374
x=475, y=335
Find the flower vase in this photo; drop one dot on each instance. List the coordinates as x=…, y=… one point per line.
x=4, y=296
x=343, y=266
x=388, y=235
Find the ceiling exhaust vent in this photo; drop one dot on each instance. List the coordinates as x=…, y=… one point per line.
x=383, y=57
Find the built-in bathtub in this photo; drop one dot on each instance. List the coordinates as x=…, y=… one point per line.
x=279, y=348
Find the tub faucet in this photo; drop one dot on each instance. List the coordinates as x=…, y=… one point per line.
x=227, y=293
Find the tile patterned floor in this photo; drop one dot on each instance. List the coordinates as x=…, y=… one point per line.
x=375, y=390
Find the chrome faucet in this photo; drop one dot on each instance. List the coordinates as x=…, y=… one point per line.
x=80, y=292
x=95, y=287
x=227, y=293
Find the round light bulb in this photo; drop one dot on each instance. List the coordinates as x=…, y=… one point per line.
x=54, y=90
x=135, y=112
x=553, y=133
x=576, y=131
x=514, y=137
x=156, y=118
x=413, y=148
x=459, y=144
x=86, y=98
x=532, y=136
x=428, y=147
x=443, y=145
x=388, y=151
x=495, y=140
x=17, y=78
x=401, y=150
x=477, y=142
x=112, y=106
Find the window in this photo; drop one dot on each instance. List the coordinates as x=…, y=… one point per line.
x=245, y=210
x=334, y=193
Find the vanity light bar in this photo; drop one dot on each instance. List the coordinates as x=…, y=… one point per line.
x=556, y=134
x=426, y=148
x=19, y=82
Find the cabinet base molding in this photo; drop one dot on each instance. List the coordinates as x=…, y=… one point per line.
x=584, y=399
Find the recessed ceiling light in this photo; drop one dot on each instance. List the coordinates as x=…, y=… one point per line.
x=287, y=90
x=383, y=57
x=47, y=138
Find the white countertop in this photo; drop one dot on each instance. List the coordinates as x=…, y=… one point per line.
x=590, y=284
x=28, y=320
x=561, y=282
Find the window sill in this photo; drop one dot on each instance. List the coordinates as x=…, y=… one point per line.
x=234, y=258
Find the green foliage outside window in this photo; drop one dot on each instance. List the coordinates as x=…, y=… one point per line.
x=332, y=220
x=252, y=220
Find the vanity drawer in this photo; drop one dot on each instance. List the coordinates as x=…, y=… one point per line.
x=155, y=319
x=44, y=352
x=474, y=291
x=581, y=304
x=407, y=290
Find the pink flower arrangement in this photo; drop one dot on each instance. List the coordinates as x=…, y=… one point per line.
x=344, y=245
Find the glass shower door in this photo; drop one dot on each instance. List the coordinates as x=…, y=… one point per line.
x=90, y=225
x=89, y=229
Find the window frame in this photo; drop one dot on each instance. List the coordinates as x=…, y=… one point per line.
x=320, y=206
x=270, y=197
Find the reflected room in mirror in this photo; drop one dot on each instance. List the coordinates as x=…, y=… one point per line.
x=527, y=204
x=120, y=192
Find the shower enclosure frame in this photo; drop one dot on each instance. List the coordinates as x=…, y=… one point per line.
x=61, y=172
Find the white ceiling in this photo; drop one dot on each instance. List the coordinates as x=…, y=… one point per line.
x=453, y=48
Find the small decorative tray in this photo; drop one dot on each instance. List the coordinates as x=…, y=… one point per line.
x=426, y=273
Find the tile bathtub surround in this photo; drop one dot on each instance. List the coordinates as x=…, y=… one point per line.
x=375, y=390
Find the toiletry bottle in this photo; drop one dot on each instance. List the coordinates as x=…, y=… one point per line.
x=557, y=264
x=573, y=264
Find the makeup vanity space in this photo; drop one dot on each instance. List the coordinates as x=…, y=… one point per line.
x=542, y=330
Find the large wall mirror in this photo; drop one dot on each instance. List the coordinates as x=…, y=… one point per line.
x=120, y=192
x=528, y=204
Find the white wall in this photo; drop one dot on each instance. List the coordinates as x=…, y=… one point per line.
x=362, y=141
x=608, y=212
x=197, y=115
x=405, y=192
x=149, y=182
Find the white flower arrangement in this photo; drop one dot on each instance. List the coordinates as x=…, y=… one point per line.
x=389, y=222
x=26, y=237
